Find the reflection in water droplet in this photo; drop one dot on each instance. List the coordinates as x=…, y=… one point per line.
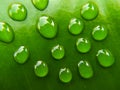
x=83, y=45
x=41, y=69
x=21, y=55
x=58, y=52
x=105, y=58
x=89, y=11
x=6, y=32
x=99, y=32
x=17, y=11
x=47, y=27
x=40, y=4
x=75, y=26
x=65, y=75
x=85, y=69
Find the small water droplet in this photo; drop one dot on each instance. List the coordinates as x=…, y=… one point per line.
x=17, y=11
x=89, y=11
x=47, y=27
x=41, y=69
x=75, y=26
x=6, y=32
x=58, y=52
x=21, y=55
x=99, y=32
x=65, y=75
x=105, y=58
x=40, y=4
x=85, y=69
x=83, y=45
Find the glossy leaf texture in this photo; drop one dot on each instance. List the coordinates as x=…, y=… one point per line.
x=14, y=76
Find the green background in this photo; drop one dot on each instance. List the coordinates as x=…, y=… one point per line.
x=14, y=76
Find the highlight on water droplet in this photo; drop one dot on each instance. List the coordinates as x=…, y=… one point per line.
x=6, y=32
x=65, y=75
x=47, y=27
x=58, y=52
x=85, y=69
x=83, y=45
x=17, y=12
x=75, y=26
x=105, y=58
x=99, y=32
x=21, y=55
x=89, y=11
x=40, y=4
x=41, y=69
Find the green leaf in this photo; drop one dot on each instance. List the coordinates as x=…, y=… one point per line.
x=14, y=76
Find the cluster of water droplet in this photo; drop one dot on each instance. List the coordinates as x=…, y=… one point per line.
x=48, y=29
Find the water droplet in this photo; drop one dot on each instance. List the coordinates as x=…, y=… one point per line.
x=89, y=11
x=65, y=75
x=21, y=55
x=6, y=32
x=105, y=58
x=17, y=11
x=58, y=52
x=85, y=69
x=47, y=27
x=75, y=26
x=83, y=45
x=41, y=69
x=99, y=32
x=40, y=4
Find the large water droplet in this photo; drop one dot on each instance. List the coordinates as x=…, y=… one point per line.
x=21, y=55
x=17, y=11
x=58, y=52
x=89, y=11
x=85, y=69
x=105, y=58
x=47, y=27
x=75, y=26
x=41, y=69
x=6, y=32
x=65, y=75
x=40, y=4
x=99, y=32
x=83, y=45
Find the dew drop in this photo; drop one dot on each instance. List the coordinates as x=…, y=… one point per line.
x=47, y=27
x=89, y=11
x=65, y=75
x=105, y=58
x=17, y=11
x=41, y=69
x=75, y=26
x=40, y=4
x=58, y=52
x=21, y=55
x=83, y=45
x=85, y=69
x=6, y=32
x=99, y=32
